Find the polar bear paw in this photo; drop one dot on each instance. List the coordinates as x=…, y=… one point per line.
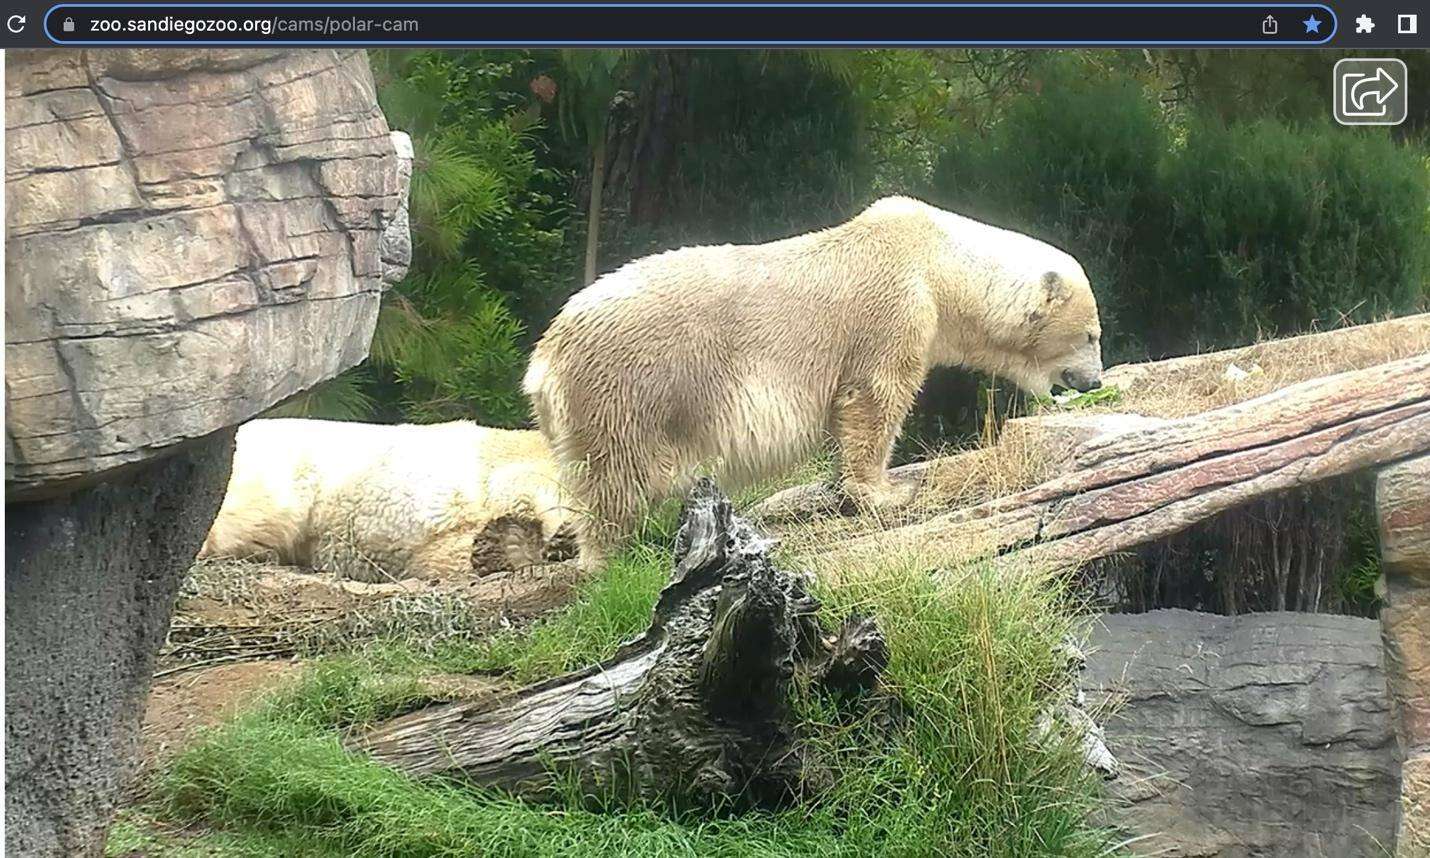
x=883, y=497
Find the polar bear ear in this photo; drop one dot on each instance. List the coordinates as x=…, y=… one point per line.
x=1055, y=289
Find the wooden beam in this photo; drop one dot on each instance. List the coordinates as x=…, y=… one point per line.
x=1132, y=488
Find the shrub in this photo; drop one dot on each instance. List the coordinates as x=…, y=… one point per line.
x=1198, y=233
x=1276, y=229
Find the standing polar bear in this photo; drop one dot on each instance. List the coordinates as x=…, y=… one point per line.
x=742, y=358
x=373, y=502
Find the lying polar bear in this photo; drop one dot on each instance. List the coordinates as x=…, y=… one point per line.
x=374, y=503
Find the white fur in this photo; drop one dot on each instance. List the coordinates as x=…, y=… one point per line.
x=741, y=358
x=374, y=502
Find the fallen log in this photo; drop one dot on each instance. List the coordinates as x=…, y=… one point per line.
x=694, y=708
x=1135, y=487
x=1029, y=451
x=1322, y=353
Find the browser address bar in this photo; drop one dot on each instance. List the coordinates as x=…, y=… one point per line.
x=780, y=24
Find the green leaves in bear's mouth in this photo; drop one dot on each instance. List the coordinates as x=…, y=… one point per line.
x=1073, y=399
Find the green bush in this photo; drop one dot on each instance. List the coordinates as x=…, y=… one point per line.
x=1198, y=233
x=451, y=348
x=1275, y=228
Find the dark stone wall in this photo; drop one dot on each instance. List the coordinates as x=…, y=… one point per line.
x=1254, y=736
x=90, y=584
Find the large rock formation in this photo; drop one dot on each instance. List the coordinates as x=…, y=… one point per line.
x=1256, y=735
x=1402, y=494
x=191, y=236
x=90, y=583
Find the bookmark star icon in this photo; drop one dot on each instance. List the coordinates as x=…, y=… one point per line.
x=1313, y=24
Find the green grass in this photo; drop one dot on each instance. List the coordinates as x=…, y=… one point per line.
x=972, y=662
x=607, y=610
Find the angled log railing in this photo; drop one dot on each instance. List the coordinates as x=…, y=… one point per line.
x=1132, y=488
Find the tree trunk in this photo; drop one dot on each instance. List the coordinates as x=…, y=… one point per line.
x=662, y=111
x=593, y=210
x=695, y=708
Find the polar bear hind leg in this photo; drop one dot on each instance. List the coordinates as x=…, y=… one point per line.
x=619, y=487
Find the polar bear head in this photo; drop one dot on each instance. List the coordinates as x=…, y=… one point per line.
x=1061, y=342
x=1020, y=308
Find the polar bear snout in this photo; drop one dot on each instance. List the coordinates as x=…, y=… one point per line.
x=1081, y=368
x=1081, y=380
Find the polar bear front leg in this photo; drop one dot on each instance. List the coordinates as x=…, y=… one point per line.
x=867, y=418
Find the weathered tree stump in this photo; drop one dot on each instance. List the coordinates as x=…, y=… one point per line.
x=695, y=708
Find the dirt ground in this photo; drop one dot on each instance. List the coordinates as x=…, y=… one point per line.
x=181, y=704
x=242, y=629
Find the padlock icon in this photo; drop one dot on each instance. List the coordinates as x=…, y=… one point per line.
x=1268, y=27
x=68, y=25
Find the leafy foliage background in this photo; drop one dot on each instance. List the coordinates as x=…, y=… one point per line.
x=1208, y=194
